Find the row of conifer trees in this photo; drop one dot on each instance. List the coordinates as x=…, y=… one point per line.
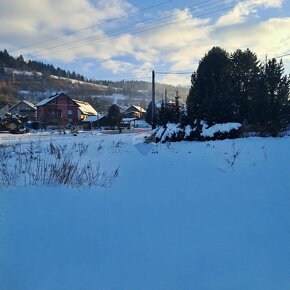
x=235, y=87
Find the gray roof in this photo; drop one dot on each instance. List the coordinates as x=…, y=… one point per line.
x=46, y=100
x=26, y=102
x=138, y=108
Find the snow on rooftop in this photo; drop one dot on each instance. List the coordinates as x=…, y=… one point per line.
x=46, y=100
x=86, y=108
x=93, y=118
x=30, y=104
x=140, y=109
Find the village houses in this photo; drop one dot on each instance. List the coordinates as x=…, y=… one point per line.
x=60, y=109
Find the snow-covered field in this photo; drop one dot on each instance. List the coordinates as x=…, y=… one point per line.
x=190, y=215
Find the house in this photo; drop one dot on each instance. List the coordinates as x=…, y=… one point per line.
x=25, y=109
x=58, y=109
x=96, y=121
x=129, y=122
x=85, y=110
x=4, y=110
x=134, y=112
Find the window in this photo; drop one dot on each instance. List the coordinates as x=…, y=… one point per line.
x=55, y=113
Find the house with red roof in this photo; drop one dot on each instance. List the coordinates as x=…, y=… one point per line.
x=58, y=109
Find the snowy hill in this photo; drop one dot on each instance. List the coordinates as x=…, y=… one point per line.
x=33, y=80
x=84, y=83
x=189, y=215
x=33, y=85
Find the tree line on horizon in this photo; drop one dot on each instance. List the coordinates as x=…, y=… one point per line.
x=129, y=87
x=235, y=87
x=7, y=60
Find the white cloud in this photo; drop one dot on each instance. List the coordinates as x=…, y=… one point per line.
x=266, y=37
x=30, y=21
x=243, y=10
x=117, y=67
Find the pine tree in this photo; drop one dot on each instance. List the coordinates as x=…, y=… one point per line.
x=21, y=62
x=114, y=116
x=210, y=97
x=277, y=88
x=193, y=101
x=269, y=106
x=245, y=75
x=177, y=113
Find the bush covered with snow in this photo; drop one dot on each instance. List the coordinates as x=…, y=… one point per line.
x=201, y=131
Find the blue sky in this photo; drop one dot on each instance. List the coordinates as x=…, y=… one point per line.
x=120, y=39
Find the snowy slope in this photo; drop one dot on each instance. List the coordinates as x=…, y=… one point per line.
x=188, y=215
x=73, y=81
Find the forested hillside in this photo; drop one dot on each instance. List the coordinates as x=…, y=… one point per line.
x=7, y=60
x=34, y=80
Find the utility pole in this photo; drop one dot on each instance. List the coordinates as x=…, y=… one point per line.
x=177, y=99
x=153, y=99
x=177, y=109
x=165, y=96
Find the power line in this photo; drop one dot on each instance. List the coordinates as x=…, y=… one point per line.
x=283, y=55
x=125, y=78
x=117, y=31
x=92, y=26
x=112, y=36
x=174, y=72
x=138, y=30
x=145, y=74
x=122, y=77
